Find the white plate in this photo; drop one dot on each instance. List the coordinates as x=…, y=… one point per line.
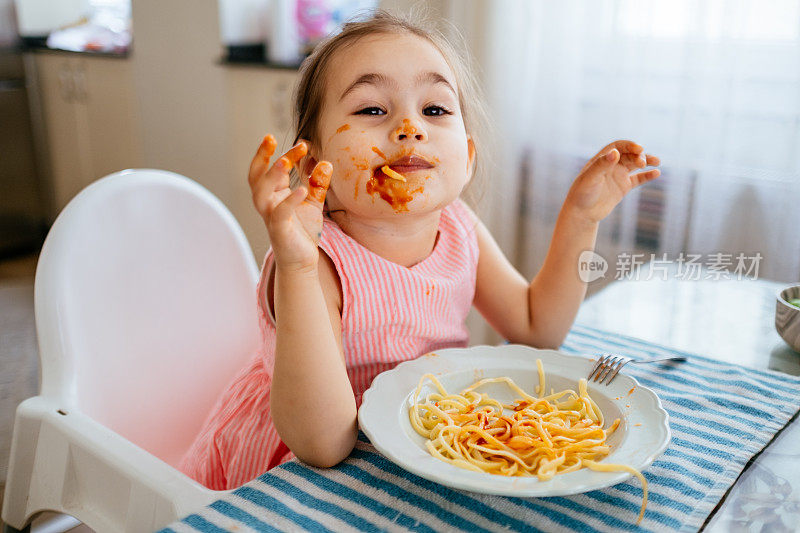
x=642, y=436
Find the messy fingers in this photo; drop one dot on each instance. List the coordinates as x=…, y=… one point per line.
x=282, y=213
x=275, y=179
x=265, y=198
x=296, y=152
x=318, y=183
x=267, y=148
x=277, y=175
x=261, y=160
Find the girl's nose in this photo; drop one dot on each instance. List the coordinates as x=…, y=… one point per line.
x=409, y=130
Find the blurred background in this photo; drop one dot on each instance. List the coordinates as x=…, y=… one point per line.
x=90, y=87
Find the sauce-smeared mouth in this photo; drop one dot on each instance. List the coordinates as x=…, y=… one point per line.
x=405, y=169
x=393, y=187
x=410, y=163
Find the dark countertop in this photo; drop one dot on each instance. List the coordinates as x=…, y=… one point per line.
x=39, y=44
x=252, y=55
x=247, y=55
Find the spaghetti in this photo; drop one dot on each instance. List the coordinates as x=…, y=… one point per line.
x=534, y=436
x=392, y=174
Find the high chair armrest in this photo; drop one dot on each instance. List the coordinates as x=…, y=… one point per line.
x=73, y=464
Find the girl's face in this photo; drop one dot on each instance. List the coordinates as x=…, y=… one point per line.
x=392, y=100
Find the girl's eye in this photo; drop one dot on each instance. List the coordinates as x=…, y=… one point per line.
x=373, y=111
x=435, y=111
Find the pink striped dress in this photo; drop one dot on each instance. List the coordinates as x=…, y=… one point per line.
x=390, y=314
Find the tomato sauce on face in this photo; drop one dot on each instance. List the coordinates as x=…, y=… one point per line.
x=340, y=129
x=394, y=192
x=407, y=128
x=360, y=165
x=378, y=151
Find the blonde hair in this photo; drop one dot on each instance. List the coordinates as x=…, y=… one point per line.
x=310, y=89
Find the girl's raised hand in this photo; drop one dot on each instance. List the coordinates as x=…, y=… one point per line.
x=608, y=177
x=293, y=218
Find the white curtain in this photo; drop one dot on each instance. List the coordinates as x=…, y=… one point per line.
x=711, y=87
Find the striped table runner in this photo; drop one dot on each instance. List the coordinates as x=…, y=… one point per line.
x=720, y=415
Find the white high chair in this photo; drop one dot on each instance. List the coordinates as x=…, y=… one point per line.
x=145, y=309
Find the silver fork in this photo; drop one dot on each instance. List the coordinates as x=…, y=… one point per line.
x=608, y=366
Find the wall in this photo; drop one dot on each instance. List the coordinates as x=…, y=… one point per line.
x=181, y=91
x=8, y=23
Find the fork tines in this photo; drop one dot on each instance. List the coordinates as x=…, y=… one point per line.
x=607, y=367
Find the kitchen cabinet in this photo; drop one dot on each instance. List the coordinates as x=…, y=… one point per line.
x=90, y=116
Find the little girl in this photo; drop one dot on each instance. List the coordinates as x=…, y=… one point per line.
x=375, y=260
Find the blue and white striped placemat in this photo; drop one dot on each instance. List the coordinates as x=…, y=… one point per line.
x=720, y=415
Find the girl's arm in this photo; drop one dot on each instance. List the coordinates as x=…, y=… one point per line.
x=540, y=313
x=311, y=401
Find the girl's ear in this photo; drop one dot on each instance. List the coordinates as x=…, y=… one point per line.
x=307, y=163
x=470, y=153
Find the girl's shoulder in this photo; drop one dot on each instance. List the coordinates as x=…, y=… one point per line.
x=461, y=212
x=461, y=221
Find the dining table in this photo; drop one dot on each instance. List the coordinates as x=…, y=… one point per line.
x=732, y=464
x=730, y=318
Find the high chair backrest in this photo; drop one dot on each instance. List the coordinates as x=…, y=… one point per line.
x=145, y=302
